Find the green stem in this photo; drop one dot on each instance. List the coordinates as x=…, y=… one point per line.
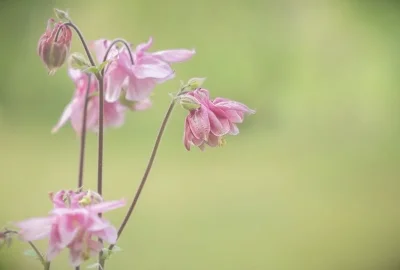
x=145, y=175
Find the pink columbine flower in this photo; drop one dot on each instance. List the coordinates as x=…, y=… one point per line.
x=53, y=49
x=75, y=227
x=140, y=78
x=114, y=112
x=210, y=120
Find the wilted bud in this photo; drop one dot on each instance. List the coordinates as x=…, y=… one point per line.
x=189, y=102
x=54, y=45
x=78, y=61
x=61, y=14
x=195, y=83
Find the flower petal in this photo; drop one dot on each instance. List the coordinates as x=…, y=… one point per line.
x=114, y=80
x=35, y=228
x=199, y=123
x=139, y=89
x=177, y=55
x=142, y=47
x=106, y=206
x=158, y=70
x=219, y=125
x=64, y=117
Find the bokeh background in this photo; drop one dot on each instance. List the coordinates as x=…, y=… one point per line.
x=312, y=181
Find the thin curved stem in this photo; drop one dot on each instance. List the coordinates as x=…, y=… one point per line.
x=83, y=136
x=40, y=256
x=125, y=43
x=148, y=168
x=89, y=55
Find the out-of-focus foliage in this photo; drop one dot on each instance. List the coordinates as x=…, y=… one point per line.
x=312, y=181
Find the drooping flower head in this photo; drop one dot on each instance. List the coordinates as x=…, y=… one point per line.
x=209, y=120
x=54, y=45
x=135, y=78
x=73, y=224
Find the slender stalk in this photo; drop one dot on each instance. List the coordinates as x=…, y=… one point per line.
x=85, y=46
x=100, y=150
x=148, y=168
x=100, y=141
x=125, y=43
x=83, y=135
x=40, y=256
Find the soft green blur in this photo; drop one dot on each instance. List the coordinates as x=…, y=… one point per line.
x=312, y=181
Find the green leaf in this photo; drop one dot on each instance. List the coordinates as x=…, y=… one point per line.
x=92, y=69
x=31, y=253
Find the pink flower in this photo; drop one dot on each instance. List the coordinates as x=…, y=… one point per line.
x=114, y=112
x=210, y=120
x=140, y=78
x=53, y=49
x=75, y=227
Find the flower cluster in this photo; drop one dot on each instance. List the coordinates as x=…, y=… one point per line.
x=122, y=80
x=73, y=223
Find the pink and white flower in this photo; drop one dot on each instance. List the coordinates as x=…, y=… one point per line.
x=210, y=120
x=140, y=77
x=74, y=226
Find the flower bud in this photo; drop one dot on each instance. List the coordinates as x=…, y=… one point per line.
x=54, y=45
x=195, y=83
x=61, y=14
x=189, y=102
x=78, y=61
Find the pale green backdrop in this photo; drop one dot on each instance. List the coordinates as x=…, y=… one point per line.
x=312, y=181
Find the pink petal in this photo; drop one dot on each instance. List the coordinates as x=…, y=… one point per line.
x=139, y=89
x=100, y=47
x=67, y=229
x=75, y=256
x=94, y=246
x=114, y=114
x=52, y=252
x=232, y=105
x=142, y=47
x=234, y=116
x=233, y=129
x=219, y=126
x=74, y=74
x=213, y=140
x=97, y=224
x=114, y=80
x=106, y=206
x=157, y=71
x=109, y=234
x=186, y=135
x=35, y=228
x=199, y=123
x=178, y=55
x=64, y=117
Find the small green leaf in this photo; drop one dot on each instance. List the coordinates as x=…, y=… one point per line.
x=103, y=65
x=31, y=253
x=92, y=69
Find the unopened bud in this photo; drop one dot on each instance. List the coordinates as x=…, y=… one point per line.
x=189, y=102
x=195, y=83
x=78, y=61
x=61, y=14
x=54, y=45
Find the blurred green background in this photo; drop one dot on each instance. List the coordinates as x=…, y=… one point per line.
x=312, y=181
